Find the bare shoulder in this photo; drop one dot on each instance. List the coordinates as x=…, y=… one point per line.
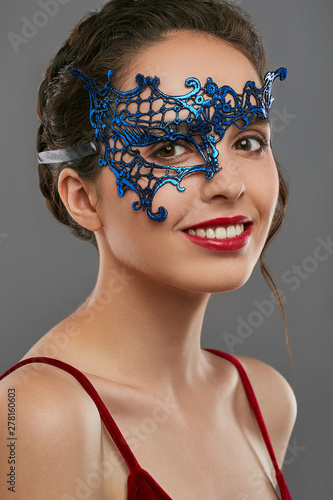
x=276, y=400
x=57, y=430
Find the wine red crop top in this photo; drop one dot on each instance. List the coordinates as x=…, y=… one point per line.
x=140, y=484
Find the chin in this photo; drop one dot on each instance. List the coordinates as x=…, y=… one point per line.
x=220, y=282
x=227, y=286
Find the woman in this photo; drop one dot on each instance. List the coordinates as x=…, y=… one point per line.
x=169, y=100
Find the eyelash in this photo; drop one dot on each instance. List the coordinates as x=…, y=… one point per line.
x=160, y=160
x=264, y=143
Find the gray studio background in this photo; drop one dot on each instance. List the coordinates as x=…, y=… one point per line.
x=45, y=272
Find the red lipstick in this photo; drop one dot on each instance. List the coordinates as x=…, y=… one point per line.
x=226, y=244
x=221, y=222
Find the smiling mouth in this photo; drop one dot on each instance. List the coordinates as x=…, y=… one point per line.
x=218, y=232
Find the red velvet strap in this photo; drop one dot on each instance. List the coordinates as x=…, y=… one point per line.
x=106, y=417
x=257, y=413
x=140, y=483
x=141, y=486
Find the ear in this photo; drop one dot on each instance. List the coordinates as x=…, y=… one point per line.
x=80, y=199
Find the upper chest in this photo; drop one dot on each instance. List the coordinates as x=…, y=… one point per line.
x=212, y=450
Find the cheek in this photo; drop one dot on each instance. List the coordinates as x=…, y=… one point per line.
x=123, y=227
x=273, y=189
x=265, y=188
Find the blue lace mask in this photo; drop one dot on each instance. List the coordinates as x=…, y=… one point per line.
x=132, y=126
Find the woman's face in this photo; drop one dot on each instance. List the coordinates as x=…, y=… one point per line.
x=191, y=249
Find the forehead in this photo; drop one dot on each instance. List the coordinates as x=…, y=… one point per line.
x=190, y=54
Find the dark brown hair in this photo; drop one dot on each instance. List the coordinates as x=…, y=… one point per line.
x=109, y=39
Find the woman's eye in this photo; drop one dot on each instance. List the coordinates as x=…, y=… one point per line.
x=250, y=144
x=174, y=154
x=170, y=151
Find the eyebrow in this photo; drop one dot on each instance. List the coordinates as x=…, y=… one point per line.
x=182, y=127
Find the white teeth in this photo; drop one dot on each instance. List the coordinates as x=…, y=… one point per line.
x=231, y=232
x=210, y=233
x=220, y=233
x=239, y=229
x=201, y=233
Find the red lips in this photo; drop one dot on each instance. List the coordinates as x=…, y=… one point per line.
x=223, y=245
x=222, y=221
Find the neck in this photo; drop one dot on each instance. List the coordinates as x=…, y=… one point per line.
x=145, y=332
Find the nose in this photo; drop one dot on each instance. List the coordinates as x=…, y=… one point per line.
x=226, y=183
